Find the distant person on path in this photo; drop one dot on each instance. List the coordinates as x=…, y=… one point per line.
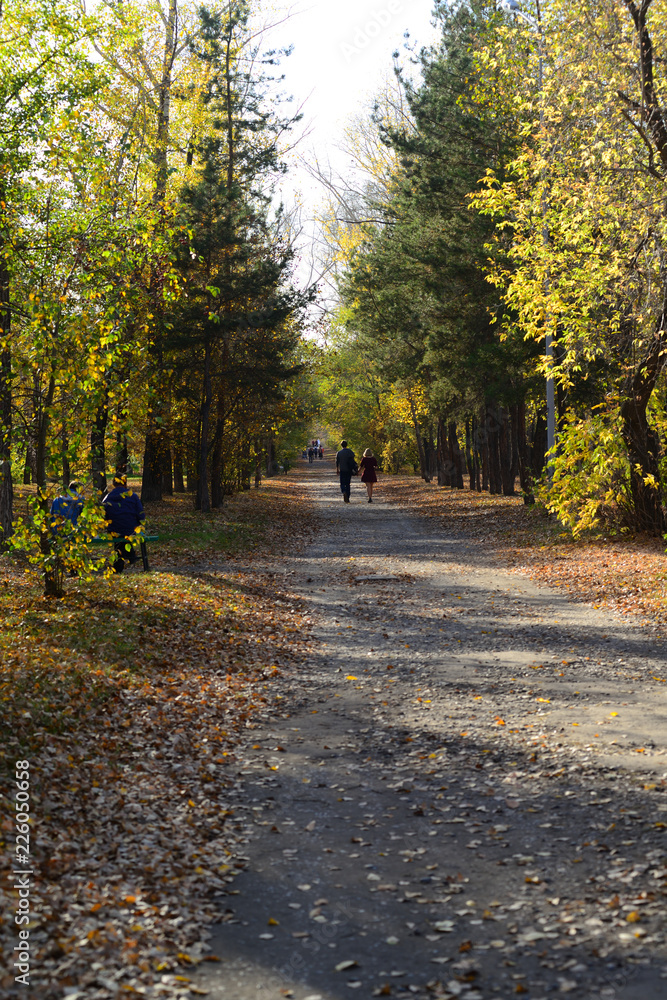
x=346, y=467
x=125, y=513
x=310, y=455
x=321, y=452
x=368, y=468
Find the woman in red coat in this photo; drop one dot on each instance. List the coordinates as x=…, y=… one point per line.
x=368, y=474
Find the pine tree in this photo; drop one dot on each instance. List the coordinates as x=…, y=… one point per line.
x=238, y=307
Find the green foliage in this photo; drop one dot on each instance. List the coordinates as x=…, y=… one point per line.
x=55, y=547
x=580, y=242
x=591, y=477
x=419, y=317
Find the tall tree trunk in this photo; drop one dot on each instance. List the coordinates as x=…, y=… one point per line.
x=121, y=453
x=455, y=457
x=203, y=497
x=217, y=462
x=179, y=486
x=507, y=471
x=193, y=467
x=167, y=466
x=164, y=104
x=442, y=456
x=525, y=474
x=28, y=465
x=154, y=451
x=641, y=441
x=6, y=485
x=514, y=425
x=64, y=452
x=98, y=457
x=420, y=441
x=430, y=452
x=492, y=435
x=484, y=449
x=258, y=463
x=475, y=481
x=470, y=461
x=270, y=455
x=151, y=477
x=538, y=448
x=43, y=423
x=179, y=482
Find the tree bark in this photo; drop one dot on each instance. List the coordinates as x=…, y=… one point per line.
x=6, y=485
x=179, y=486
x=98, y=456
x=151, y=477
x=514, y=433
x=270, y=456
x=164, y=104
x=455, y=458
x=203, y=497
x=441, y=453
x=420, y=441
x=258, y=464
x=507, y=472
x=179, y=482
x=484, y=449
x=475, y=467
x=525, y=475
x=121, y=453
x=64, y=451
x=641, y=441
x=492, y=437
x=154, y=462
x=167, y=466
x=217, y=462
x=538, y=449
x=42, y=427
x=470, y=461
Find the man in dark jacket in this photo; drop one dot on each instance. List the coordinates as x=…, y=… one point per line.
x=125, y=513
x=346, y=467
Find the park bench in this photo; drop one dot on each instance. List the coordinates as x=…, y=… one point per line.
x=143, y=540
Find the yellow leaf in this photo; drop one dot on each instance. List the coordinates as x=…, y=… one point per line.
x=343, y=966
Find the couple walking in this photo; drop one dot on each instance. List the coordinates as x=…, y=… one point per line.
x=346, y=467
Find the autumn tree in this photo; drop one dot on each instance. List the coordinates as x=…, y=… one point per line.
x=238, y=306
x=591, y=175
x=415, y=288
x=40, y=84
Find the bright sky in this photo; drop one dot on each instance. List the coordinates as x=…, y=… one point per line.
x=342, y=52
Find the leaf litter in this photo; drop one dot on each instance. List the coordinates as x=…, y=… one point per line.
x=626, y=574
x=129, y=700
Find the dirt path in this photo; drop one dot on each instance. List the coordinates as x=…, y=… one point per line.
x=465, y=795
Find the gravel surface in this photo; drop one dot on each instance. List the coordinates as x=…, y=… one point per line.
x=465, y=795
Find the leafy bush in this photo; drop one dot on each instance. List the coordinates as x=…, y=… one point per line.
x=55, y=547
x=591, y=477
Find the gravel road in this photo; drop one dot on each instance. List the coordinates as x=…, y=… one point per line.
x=465, y=795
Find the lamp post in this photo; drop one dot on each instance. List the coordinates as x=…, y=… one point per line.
x=515, y=8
